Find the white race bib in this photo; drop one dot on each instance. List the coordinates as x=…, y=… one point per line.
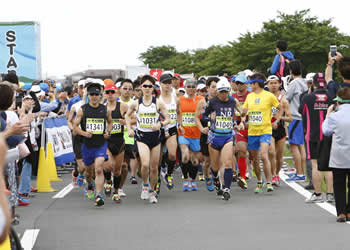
x=223, y=123
x=147, y=120
x=255, y=118
x=117, y=128
x=188, y=120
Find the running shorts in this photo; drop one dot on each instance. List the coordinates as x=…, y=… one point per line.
x=254, y=141
x=130, y=151
x=116, y=145
x=296, y=132
x=90, y=154
x=77, y=142
x=194, y=144
x=218, y=142
x=279, y=133
x=151, y=139
x=172, y=131
x=242, y=135
x=204, y=144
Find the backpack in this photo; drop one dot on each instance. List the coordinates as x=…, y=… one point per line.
x=284, y=67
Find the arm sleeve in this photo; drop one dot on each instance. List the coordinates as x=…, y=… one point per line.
x=275, y=65
x=47, y=107
x=329, y=125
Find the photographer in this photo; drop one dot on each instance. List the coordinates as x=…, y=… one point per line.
x=337, y=124
x=343, y=65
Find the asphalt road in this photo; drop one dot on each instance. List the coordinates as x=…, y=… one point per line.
x=193, y=220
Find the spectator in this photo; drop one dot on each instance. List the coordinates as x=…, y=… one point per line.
x=337, y=124
x=343, y=64
x=278, y=66
x=296, y=131
x=314, y=107
x=4, y=209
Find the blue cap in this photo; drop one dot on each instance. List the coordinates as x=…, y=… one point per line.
x=241, y=78
x=233, y=79
x=44, y=87
x=27, y=86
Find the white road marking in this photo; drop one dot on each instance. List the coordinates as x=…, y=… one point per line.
x=29, y=238
x=64, y=191
x=325, y=205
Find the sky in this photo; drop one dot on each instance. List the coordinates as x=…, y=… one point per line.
x=77, y=35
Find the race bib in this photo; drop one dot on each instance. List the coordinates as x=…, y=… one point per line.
x=147, y=120
x=223, y=123
x=96, y=125
x=173, y=116
x=274, y=111
x=255, y=118
x=117, y=128
x=188, y=120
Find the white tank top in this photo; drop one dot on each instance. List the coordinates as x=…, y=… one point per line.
x=147, y=116
x=171, y=108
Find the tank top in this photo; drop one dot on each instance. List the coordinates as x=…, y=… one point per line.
x=171, y=111
x=241, y=100
x=117, y=130
x=94, y=119
x=275, y=112
x=188, y=108
x=147, y=115
x=128, y=140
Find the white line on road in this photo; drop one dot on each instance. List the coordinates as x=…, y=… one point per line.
x=29, y=238
x=64, y=191
x=325, y=205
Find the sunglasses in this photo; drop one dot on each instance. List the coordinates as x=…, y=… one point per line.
x=240, y=83
x=191, y=86
x=137, y=90
x=94, y=94
x=110, y=92
x=126, y=88
x=147, y=86
x=167, y=82
x=223, y=91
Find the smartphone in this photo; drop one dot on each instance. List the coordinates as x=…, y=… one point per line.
x=333, y=50
x=18, y=102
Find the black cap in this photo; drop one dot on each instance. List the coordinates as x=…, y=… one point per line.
x=94, y=88
x=166, y=77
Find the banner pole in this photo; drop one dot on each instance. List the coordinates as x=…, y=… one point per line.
x=43, y=135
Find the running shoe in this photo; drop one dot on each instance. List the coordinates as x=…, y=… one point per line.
x=194, y=185
x=80, y=180
x=186, y=186
x=133, y=180
x=116, y=198
x=217, y=183
x=219, y=192
x=226, y=194
x=121, y=192
x=242, y=183
x=74, y=179
x=291, y=175
x=170, y=182
x=85, y=191
x=108, y=189
x=209, y=183
x=33, y=190
x=90, y=194
x=297, y=178
x=23, y=202
x=315, y=199
x=330, y=197
x=273, y=181
x=99, y=201
x=278, y=181
x=269, y=187
x=201, y=176
x=259, y=188
x=144, y=193
x=153, y=198
x=157, y=187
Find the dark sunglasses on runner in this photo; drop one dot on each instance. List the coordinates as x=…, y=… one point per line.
x=110, y=92
x=126, y=88
x=167, y=82
x=94, y=94
x=147, y=86
x=240, y=83
x=191, y=86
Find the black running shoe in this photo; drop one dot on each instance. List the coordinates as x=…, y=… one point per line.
x=99, y=201
x=226, y=194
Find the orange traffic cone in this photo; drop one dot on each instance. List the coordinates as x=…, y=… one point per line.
x=43, y=182
x=51, y=164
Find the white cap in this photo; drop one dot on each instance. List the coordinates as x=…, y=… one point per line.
x=309, y=77
x=223, y=84
x=201, y=86
x=272, y=78
x=248, y=72
x=37, y=90
x=81, y=83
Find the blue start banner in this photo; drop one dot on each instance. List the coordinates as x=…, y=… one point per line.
x=20, y=49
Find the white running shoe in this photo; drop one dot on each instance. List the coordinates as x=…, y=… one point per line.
x=153, y=198
x=144, y=194
x=121, y=192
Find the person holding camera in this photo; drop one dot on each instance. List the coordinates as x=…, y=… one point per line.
x=343, y=65
x=337, y=124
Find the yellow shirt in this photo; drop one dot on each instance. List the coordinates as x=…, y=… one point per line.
x=259, y=110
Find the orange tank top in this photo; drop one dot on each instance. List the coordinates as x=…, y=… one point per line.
x=188, y=109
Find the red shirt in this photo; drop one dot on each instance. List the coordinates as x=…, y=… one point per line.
x=241, y=100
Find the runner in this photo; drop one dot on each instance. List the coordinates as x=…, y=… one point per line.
x=242, y=135
x=116, y=145
x=259, y=104
x=211, y=85
x=147, y=110
x=169, y=135
x=221, y=134
x=92, y=118
x=189, y=136
x=279, y=134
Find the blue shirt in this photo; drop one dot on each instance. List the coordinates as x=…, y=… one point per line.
x=333, y=87
x=276, y=62
x=338, y=125
x=75, y=99
x=47, y=107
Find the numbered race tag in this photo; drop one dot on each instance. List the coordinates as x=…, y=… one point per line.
x=188, y=120
x=147, y=120
x=173, y=116
x=255, y=118
x=96, y=125
x=117, y=128
x=223, y=123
